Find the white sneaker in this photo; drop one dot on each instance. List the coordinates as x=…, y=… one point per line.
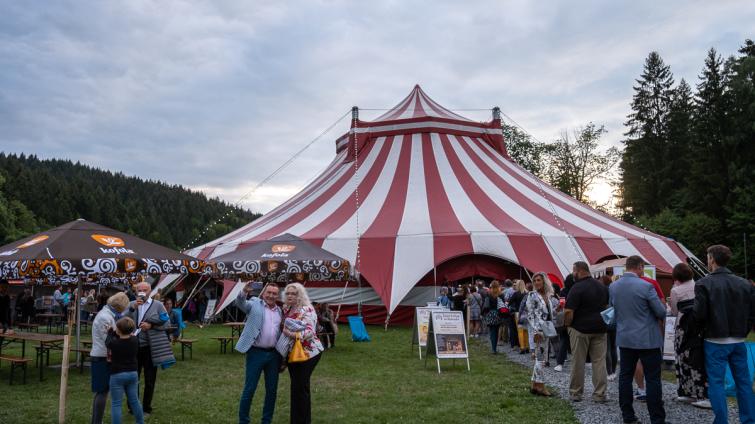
x=612, y=377
x=685, y=399
x=558, y=368
x=704, y=404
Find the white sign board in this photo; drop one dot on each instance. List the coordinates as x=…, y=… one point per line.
x=446, y=335
x=669, y=354
x=649, y=271
x=421, y=324
x=210, y=311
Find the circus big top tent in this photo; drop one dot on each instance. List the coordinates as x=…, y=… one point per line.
x=420, y=188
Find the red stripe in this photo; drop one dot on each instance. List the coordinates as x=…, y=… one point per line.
x=593, y=246
x=529, y=247
x=400, y=109
x=568, y=203
x=348, y=207
x=418, y=110
x=310, y=208
x=380, y=238
x=206, y=252
x=450, y=239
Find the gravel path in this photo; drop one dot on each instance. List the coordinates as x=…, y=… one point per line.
x=588, y=412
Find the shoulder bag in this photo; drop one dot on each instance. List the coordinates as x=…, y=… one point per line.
x=297, y=354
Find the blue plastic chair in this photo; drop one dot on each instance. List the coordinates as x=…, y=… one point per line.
x=358, y=330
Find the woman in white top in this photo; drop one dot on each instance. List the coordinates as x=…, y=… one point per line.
x=300, y=320
x=100, y=370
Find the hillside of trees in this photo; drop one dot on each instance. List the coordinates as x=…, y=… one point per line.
x=687, y=170
x=36, y=195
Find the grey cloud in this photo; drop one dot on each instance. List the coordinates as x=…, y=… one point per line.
x=219, y=94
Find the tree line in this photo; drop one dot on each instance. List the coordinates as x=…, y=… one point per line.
x=686, y=170
x=36, y=195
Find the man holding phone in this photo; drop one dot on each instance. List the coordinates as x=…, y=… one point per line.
x=261, y=331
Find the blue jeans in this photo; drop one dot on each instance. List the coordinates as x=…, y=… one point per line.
x=128, y=383
x=257, y=361
x=493, y=334
x=716, y=358
x=651, y=363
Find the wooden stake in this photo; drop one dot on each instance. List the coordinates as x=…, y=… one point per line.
x=64, y=374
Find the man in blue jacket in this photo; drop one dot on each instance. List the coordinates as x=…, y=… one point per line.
x=637, y=311
x=725, y=309
x=261, y=331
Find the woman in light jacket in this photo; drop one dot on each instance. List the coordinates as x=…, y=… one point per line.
x=100, y=369
x=300, y=319
x=539, y=313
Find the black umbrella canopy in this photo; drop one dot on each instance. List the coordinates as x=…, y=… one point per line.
x=284, y=258
x=84, y=249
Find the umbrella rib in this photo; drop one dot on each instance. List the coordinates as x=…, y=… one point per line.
x=48, y=253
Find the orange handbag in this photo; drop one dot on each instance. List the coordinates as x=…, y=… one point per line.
x=298, y=354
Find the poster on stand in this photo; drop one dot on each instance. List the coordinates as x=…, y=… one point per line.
x=420, y=327
x=668, y=340
x=446, y=335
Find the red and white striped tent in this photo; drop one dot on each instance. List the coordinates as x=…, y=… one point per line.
x=420, y=188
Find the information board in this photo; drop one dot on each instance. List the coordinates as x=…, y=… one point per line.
x=420, y=327
x=669, y=353
x=210, y=311
x=446, y=336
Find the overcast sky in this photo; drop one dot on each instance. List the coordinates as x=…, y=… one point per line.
x=216, y=95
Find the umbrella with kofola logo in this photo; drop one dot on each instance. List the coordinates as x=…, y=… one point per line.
x=84, y=250
x=285, y=258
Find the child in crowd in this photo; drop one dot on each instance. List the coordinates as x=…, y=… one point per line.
x=123, y=348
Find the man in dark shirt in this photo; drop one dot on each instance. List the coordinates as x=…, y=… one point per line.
x=587, y=332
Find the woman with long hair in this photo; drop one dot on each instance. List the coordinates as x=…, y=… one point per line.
x=540, y=325
x=474, y=300
x=688, y=346
x=300, y=321
x=516, y=302
x=491, y=315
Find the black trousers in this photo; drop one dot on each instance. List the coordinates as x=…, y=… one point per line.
x=301, y=401
x=144, y=361
x=564, y=345
x=612, y=355
x=651, y=362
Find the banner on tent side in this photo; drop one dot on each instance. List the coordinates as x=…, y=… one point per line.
x=669, y=353
x=446, y=337
x=210, y=311
x=420, y=326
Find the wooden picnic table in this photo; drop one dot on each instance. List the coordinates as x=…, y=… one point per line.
x=50, y=318
x=236, y=328
x=46, y=343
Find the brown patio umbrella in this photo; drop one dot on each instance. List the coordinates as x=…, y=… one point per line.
x=83, y=250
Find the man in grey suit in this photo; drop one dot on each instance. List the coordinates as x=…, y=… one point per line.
x=261, y=331
x=638, y=311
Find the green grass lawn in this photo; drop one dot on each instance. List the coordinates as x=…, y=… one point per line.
x=376, y=382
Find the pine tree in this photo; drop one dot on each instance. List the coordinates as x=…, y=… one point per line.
x=646, y=146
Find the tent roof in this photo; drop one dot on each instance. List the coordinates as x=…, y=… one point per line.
x=428, y=189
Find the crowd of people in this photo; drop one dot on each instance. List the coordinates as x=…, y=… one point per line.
x=617, y=325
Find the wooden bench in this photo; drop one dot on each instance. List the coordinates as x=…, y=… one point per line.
x=225, y=341
x=16, y=362
x=83, y=353
x=187, y=344
x=31, y=326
